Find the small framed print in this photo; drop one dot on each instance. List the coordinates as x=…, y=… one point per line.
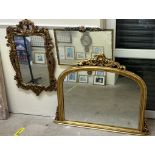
x=63, y=36
x=61, y=53
x=82, y=73
x=72, y=77
x=39, y=58
x=100, y=73
x=98, y=49
x=99, y=80
x=80, y=55
x=83, y=78
x=69, y=51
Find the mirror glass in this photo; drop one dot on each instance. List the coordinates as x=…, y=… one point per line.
x=88, y=97
x=32, y=59
x=74, y=46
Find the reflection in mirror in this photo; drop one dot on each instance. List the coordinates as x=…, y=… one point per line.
x=31, y=55
x=88, y=98
x=32, y=59
x=74, y=45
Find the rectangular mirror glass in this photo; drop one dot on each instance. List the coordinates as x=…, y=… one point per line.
x=73, y=46
x=32, y=59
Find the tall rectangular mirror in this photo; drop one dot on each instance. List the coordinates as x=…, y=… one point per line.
x=31, y=54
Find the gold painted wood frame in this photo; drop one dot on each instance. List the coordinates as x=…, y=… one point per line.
x=103, y=64
x=27, y=28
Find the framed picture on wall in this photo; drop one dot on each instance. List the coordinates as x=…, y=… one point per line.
x=62, y=53
x=72, y=77
x=80, y=55
x=63, y=37
x=100, y=73
x=99, y=80
x=98, y=49
x=39, y=58
x=83, y=78
x=69, y=52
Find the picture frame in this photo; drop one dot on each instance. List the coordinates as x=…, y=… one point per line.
x=98, y=49
x=100, y=73
x=62, y=55
x=83, y=78
x=39, y=58
x=72, y=77
x=82, y=73
x=99, y=80
x=70, y=52
x=63, y=37
x=80, y=55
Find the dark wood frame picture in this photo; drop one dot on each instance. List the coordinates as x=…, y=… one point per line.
x=27, y=28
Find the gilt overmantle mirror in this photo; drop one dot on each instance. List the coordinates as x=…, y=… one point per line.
x=85, y=99
x=31, y=54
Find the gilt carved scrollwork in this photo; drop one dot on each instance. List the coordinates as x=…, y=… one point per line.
x=27, y=28
x=83, y=29
x=101, y=60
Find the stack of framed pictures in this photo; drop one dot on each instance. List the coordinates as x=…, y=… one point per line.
x=73, y=45
x=96, y=78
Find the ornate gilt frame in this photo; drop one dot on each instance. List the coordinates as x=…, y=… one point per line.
x=100, y=62
x=27, y=28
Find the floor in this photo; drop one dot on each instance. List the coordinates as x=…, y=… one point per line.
x=44, y=126
x=110, y=109
x=116, y=105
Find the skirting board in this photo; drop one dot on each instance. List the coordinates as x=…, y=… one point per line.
x=150, y=114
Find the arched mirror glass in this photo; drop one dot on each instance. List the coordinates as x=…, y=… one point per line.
x=32, y=57
x=89, y=98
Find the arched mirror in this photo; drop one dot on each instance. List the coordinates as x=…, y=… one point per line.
x=32, y=57
x=87, y=100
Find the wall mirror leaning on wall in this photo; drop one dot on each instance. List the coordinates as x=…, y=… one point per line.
x=31, y=55
x=75, y=44
x=86, y=100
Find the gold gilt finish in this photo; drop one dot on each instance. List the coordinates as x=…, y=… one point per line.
x=101, y=63
x=101, y=60
x=27, y=28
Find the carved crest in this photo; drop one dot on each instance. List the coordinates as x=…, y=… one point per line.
x=101, y=60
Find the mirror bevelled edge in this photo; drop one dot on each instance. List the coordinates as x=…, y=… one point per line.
x=27, y=28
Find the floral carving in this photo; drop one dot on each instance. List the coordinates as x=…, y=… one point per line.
x=101, y=60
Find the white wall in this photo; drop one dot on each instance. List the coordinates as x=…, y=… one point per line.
x=22, y=101
x=57, y=22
